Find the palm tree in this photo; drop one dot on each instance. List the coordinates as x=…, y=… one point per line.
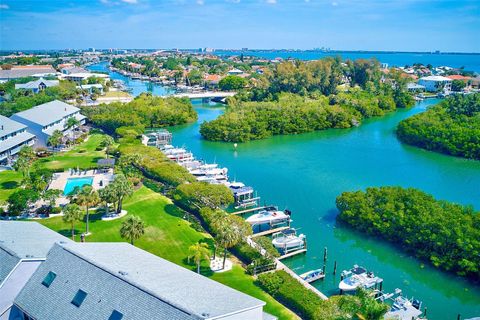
x=26, y=156
x=72, y=213
x=71, y=123
x=132, y=228
x=107, y=195
x=55, y=139
x=231, y=230
x=199, y=252
x=121, y=188
x=88, y=197
x=107, y=143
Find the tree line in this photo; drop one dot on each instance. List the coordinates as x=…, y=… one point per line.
x=444, y=233
x=296, y=97
x=144, y=111
x=451, y=127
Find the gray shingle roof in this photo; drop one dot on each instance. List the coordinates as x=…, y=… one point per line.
x=134, y=282
x=22, y=73
x=8, y=126
x=28, y=240
x=36, y=83
x=47, y=113
x=8, y=261
x=15, y=141
x=24, y=240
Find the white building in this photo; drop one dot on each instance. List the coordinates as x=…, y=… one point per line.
x=37, y=85
x=46, y=118
x=45, y=276
x=13, y=136
x=436, y=83
x=79, y=77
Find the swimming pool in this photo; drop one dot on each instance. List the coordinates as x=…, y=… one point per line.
x=76, y=182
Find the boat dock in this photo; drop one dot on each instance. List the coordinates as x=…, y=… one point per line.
x=292, y=253
x=249, y=210
x=267, y=232
x=281, y=266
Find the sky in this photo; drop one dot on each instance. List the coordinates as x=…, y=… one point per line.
x=390, y=25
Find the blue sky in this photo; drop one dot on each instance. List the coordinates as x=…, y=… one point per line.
x=408, y=25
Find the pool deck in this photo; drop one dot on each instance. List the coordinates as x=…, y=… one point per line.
x=99, y=177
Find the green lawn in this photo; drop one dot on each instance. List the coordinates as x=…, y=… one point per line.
x=168, y=235
x=9, y=181
x=83, y=156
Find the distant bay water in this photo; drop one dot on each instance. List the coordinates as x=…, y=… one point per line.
x=470, y=62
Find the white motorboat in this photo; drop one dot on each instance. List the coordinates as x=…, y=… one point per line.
x=209, y=172
x=270, y=215
x=401, y=307
x=358, y=277
x=312, y=275
x=288, y=239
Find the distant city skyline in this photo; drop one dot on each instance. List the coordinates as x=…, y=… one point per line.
x=391, y=25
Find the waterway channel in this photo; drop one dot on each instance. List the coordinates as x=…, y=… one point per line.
x=305, y=173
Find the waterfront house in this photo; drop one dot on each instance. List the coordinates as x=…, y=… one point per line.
x=73, y=69
x=79, y=77
x=37, y=85
x=414, y=87
x=23, y=247
x=91, y=88
x=27, y=71
x=119, y=281
x=46, y=118
x=13, y=136
x=436, y=83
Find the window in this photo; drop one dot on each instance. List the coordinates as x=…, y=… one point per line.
x=116, y=315
x=49, y=279
x=79, y=297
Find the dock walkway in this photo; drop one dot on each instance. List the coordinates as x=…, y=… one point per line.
x=282, y=266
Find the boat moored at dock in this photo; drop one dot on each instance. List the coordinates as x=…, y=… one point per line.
x=313, y=275
x=288, y=240
x=358, y=277
x=270, y=215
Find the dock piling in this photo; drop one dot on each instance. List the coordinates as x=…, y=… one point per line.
x=459, y=316
x=325, y=254
x=425, y=312
x=324, y=269
x=335, y=267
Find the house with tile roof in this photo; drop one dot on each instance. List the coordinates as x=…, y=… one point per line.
x=27, y=71
x=47, y=118
x=13, y=136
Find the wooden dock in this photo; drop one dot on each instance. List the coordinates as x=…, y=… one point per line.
x=281, y=266
x=267, y=232
x=293, y=253
x=248, y=210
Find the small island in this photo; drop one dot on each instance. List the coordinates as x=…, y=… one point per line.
x=452, y=127
x=297, y=97
x=444, y=233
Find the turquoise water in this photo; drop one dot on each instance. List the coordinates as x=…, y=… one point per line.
x=72, y=183
x=471, y=62
x=136, y=86
x=307, y=172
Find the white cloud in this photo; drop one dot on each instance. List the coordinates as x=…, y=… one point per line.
x=4, y=6
x=233, y=1
x=271, y=1
x=130, y=1
x=334, y=4
x=200, y=2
